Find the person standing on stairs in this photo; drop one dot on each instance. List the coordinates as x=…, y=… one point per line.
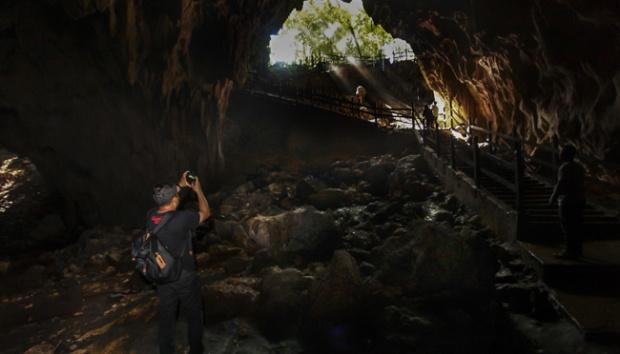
x=570, y=195
x=435, y=111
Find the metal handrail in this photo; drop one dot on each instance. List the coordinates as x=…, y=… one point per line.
x=498, y=143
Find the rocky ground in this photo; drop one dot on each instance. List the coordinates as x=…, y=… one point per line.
x=367, y=256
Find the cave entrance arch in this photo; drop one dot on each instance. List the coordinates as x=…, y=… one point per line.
x=336, y=46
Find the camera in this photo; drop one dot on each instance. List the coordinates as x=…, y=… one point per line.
x=190, y=178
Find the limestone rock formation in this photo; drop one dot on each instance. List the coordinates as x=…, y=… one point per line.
x=107, y=97
x=545, y=69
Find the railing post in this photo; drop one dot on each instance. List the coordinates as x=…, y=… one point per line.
x=490, y=139
x=555, y=161
x=476, y=160
x=452, y=152
x=437, y=144
x=412, y=116
x=375, y=114
x=518, y=176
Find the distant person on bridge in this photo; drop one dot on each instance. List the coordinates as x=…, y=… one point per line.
x=570, y=195
x=435, y=111
x=429, y=118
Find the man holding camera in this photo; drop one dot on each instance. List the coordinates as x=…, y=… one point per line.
x=175, y=235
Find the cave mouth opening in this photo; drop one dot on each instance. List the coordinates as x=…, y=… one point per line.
x=343, y=41
x=30, y=210
x=334, y=32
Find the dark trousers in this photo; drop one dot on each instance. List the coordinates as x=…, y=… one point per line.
x=571, y=219
x=187, y=291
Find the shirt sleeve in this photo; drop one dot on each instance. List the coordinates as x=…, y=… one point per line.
x=191, y=219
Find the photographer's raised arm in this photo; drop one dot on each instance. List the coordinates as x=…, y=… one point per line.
x=203, y=206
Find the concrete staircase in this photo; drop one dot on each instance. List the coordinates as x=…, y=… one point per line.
x=588, y=289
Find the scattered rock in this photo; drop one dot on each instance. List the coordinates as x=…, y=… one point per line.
x=230, y=297
x=309, y=185
x=329, y=198
x=231, y=231
x=377, y=177
x=280, y=304
x=367, y=269
x=220, y=252
x=50, y=228
x=361, y=239
x=451, y=203
x=304, y=230
x=444, y=216
x=236, y=264
x=65, y=299
x=345, y=174
x=41, y=348
x=432, y=260
x=335, y=296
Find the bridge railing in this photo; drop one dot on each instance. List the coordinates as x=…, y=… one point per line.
x=337, y=103
x=502, y=158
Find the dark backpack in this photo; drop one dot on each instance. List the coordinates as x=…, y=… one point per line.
x=153, y=259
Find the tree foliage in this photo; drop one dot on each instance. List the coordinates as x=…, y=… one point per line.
x=325, y=29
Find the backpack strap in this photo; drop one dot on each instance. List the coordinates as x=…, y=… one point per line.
x=161, y=224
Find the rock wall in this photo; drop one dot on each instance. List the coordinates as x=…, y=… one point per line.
x=111, y=97
x=544, y=68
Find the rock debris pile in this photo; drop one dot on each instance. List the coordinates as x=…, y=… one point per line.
x=367, y=256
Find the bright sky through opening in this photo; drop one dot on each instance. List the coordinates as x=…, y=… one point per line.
x=284, y=46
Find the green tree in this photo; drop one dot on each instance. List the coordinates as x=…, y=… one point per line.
x=325, y=29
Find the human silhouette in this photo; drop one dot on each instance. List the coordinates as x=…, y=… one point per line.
x=570, y=196
x=435, y=111
x=429, y=118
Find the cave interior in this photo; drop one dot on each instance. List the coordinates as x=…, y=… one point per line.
x=333, y=228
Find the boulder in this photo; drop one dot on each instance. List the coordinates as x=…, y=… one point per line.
x=377, y=176
x=236, y=264
x=281, y=300
x=62, y=300
x=329, y=198
x=230, y=297
x=277, y=190
x=335, y=297
x=451, y=203
x=385, y=211
x=303, y=230
x=309, y=185
x=361, y=239
x=444, y=216
x=218, y=253
x=50, y=228
x=345, y=174
x=432, y=260
x=19, y=280
x=41, y=348
x=239, y=205
x=263, y=258
x=231, y=231
x=419, y=191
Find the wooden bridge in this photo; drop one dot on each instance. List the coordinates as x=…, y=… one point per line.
x=508, y=180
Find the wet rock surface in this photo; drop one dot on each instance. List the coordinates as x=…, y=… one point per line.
x=383, y=271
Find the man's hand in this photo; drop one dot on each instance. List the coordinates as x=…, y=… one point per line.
x=203, y=206
x=196, y=187
x=183, y=180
